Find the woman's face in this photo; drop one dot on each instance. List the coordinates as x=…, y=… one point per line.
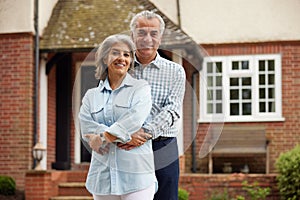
x=118, y=59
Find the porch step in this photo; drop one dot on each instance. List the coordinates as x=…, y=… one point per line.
x=76, y=176
x=72, y=189
x=72, y=198
x=72, y=186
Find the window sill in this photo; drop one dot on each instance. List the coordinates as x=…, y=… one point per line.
x=240, y=119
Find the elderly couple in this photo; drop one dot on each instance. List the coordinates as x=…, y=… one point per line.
x=128, y=120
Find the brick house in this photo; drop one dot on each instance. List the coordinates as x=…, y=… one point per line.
x=72, y=30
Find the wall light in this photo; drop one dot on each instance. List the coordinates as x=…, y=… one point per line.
x=38, y=154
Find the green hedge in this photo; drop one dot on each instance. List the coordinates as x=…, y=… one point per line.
x=7, y=185
x=288, y=166
x=183, y=194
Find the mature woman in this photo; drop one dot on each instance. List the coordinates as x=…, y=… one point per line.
x=109, y=114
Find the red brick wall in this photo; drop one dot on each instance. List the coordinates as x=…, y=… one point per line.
x=41, y=185
x=201, y=186
x=16, y=105
x=38, y=185
x=283, y=135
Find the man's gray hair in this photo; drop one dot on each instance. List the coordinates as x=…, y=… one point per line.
x=148, y=15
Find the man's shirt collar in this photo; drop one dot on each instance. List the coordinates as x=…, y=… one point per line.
x=154, y=62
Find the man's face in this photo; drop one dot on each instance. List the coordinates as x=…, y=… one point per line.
x=147, y=38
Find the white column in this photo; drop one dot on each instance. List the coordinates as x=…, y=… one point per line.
x=43, y=109
x=76, y=105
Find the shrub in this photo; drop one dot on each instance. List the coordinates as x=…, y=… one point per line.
x=255, y=191
x=7, y=185
x=183, y=194
x=220, y=196
x=288, y=166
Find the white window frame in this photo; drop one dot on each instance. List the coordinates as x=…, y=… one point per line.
x=252, y=72
x=76, y=98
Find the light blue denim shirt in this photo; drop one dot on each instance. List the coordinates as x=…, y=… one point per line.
x=120, y=112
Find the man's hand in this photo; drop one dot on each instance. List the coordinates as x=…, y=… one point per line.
x=137, y=139
x=104, y=149
x=94, y=141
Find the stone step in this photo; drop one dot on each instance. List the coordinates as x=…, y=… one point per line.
x=76, y=176
x=72, y=189
x=72, y=198
x=71, y=186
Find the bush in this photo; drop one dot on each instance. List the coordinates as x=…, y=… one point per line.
x=255, y=191
x=7, y=185
x=220, y=195
x=183, y=194
x=288, y=166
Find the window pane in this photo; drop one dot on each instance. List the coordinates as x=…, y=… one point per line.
x=218, y=94
x=234, y=94
x=219, y=67
x=219, y=108
x=262, y=79
x=245, y=64
x=209, y=95
x=271, y=65
x=209, y=67
x=235, y=65
x=262, y=65
x=246, y=93
x=262, y=107
x=219, y=81
x=209, y=108
x=210, y=81
x=246, y=108
x=271, y=106
x=271, y=93
x=271, y=79
x=234, y=81
x=262, y=93
x=234, y=109
x=246, y=81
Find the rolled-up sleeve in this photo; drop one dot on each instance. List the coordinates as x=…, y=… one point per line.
x=87, y=123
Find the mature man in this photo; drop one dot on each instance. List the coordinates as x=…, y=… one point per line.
x=167, y=80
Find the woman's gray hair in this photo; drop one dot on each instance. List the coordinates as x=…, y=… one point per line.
x=104, y=49
x=148, y=15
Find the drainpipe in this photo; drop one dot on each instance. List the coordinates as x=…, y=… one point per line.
x=194, y=123
x=178, y=13
x=36, y=47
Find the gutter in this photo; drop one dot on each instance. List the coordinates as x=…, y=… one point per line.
x=178, y=13
x=194, y=104
x=194, y=123
x=197, y=64
x=36, y=73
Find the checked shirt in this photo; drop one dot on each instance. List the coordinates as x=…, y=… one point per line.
x=167, y=80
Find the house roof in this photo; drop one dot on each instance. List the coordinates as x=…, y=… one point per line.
x=83, y=24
